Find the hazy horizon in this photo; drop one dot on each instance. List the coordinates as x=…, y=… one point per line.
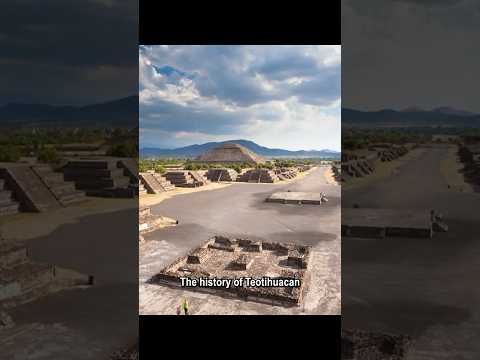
x=232, y=140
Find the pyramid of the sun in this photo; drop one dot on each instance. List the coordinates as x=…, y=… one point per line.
x=230, y=153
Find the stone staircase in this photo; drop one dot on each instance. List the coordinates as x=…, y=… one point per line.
x=141, y=187
x=64, y=191
x=99, y=177
x=130, y=168
x=183, y=179
x=221, y=174
x=258, y=176
x=199, y=179
x=21, y=280
x=155, y=183
x=285, y=173
x=8, y=205
x=28, y=189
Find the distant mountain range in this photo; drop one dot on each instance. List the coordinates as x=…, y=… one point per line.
x=117, y=113
x=195, y=150
x=410, y=117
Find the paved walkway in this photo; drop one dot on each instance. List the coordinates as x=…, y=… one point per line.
x=427, y=288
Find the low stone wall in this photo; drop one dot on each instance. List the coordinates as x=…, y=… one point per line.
x=195, y=265
x=363, y=345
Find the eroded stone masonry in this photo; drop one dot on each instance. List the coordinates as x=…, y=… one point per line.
x=232, y=258
x=363, y=345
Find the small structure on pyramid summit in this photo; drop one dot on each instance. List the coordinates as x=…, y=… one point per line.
x=230, y=153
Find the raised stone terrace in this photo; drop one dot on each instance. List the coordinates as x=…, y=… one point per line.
x=155, y=183
x=221, y=174
x=363, y=345
x=23, y=280
x=184, y=178
x=35, y=188
x=8, y=205
x=294, y=197
x=101, y=177
x=228, y=258
x=258, y=176
x=381, y=223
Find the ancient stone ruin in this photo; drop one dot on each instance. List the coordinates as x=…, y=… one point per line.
x=64, y=191
x=362, y=345
x=128, y=353
x=230, y=153
x=293, y=197
x=6, y=320
x=337, y=172
x=357, y=166
x=148, y=222
x=184, y=178
x=381, y=223
x=303, y=168
x=222, y=174
x=363, y=163
x=286, y=173
x=231, y=258
x=34, y=188
x=469, y=155
x=23, y=280
x=108, y=177
x=8, y=204
x=141, y=188
x=258, y=176
x=154, y=183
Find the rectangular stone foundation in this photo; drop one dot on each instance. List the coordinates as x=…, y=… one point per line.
x=381, y=223
x=225, y=258
x=291, y=197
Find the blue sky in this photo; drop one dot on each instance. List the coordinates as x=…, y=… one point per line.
x=278, y=96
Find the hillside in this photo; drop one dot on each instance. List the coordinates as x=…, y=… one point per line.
x=117, y=113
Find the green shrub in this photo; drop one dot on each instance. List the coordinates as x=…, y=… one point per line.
x=9, y=153
x=48, y=155
x=126, y=149
x=159, y=168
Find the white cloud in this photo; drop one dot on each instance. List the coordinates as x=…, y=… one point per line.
x=278, y=96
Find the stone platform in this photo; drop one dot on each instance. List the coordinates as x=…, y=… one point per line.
x=380, y=223
x=35, y=188
x=23, y=280
x=148, y=222
x=106, y=177
x=155, y=183
x=362, y=345
x=225, y=259
x=291, y=197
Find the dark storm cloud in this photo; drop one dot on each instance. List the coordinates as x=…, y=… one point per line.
x=404, y=53
x=431, y=2
x=173, y=117
x=327, y=85
x=68, y=51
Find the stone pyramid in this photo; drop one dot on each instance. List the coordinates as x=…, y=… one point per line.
x=230, y=153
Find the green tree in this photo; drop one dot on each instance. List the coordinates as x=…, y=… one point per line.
x=48, y=155
x=9, y=153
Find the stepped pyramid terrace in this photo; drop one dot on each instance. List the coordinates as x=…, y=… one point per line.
x=230, y=153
